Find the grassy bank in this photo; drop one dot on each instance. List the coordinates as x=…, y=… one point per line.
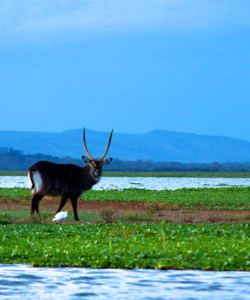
x=193, y=198
x=155, y=174
x=180, y=174
x=13, y=173
x=157, y=246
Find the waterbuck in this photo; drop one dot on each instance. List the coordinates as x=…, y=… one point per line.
x=66, y=180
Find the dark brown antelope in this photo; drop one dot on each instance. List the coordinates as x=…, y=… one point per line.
x=66, y=180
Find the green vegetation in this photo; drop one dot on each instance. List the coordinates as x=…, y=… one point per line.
x=154, y=174
x=158, y=246
x=192, y=198
x=117, y=244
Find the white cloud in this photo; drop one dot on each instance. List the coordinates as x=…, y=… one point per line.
x=34, y=17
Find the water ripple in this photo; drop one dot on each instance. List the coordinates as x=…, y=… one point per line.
x=150, y=183
x=25, y=282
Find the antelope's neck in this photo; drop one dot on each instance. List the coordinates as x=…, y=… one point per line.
x=89, y=178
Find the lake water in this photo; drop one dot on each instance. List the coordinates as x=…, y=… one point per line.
x=151, y=183
x=25, y=282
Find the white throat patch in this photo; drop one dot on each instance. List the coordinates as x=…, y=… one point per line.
x=95, y=178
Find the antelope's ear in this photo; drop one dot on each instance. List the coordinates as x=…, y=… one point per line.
x=107, y=161
x=86, y=159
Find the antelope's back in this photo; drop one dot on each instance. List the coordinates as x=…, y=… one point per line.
x=56, y=179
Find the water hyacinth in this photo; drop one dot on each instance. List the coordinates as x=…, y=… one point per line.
x=127, y=246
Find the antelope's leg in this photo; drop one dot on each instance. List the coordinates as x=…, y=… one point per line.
x=62, y=203
x=74, y=206
x=34, y=203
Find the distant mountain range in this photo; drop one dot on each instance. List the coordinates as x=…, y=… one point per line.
x=157, y=145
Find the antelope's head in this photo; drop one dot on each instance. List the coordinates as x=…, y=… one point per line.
x=96, y=164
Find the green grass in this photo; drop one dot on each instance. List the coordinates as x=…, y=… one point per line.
x=220, y=198
x=154, y=174
x=14, y=192
x=179, y=174
x=128, y=246
x=194, y=198
x=13, y=173
x=23, y=216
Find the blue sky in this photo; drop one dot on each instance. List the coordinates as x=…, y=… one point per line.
x=134, y=66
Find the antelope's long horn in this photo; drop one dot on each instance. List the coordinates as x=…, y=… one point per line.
x=107, y=149
x=85, y=146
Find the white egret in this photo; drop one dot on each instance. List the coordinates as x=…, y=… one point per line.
x=62, y=215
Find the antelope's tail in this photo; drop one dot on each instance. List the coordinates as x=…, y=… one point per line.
x=30, y=180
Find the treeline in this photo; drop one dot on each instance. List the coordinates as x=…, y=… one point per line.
x=149, y=166
x=15, y=160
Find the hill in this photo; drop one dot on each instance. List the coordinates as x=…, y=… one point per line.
x=157, y=145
